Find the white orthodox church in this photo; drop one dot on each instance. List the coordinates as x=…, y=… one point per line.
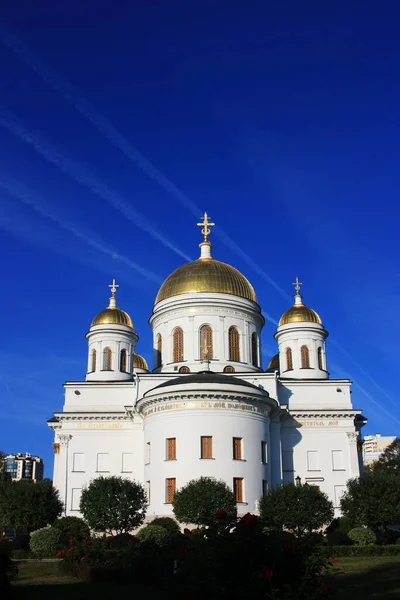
x=208, y=407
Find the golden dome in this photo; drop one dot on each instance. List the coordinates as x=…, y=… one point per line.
x=206, y=275
x=299, y=312
x=112, y=315
x=139, y=362
x=274, y=363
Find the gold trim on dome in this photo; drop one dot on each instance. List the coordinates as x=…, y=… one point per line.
x=206, y=275
x=300, y=313
x=112, y=316
x=274, y=362
x=139, y=362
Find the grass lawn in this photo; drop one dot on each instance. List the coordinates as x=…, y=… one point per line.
x=370, y=578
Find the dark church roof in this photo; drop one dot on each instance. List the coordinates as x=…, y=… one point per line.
x=205, y=377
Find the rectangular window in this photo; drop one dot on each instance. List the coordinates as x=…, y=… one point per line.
x=339, y=491
x=148, y=491
x=264, y=487
x=287, y=460
x=206, y=446
x=78, y=462
x=127, y=462
x=312, y=461
x=75, y=498
x=170, y=488
x=264, y=452
x=237, y=449
x=337, y=460
x=238, y=488
x=147, y=453
x=171, y=448
x=103, y=463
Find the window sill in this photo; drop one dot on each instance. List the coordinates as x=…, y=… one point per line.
x=80, y=471
x=240, y=459
x=206, y=458
x=306, y=368
x=170, y=459
x=340, y=470
x=242, y=503
x=102, y=471
x=106, y=370
x=145, y=464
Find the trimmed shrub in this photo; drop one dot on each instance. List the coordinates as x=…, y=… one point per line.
x=44, y=542
x=166, y=523
x=71, y=527
x=154, y=533
x=362, y=536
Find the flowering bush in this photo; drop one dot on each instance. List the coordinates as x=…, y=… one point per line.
x=43, y=543
x=71, y=527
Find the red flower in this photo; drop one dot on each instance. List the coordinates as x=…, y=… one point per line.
x=60, y=553
x=268, y=573
x=83, y=558
x=334, y=558
x=247, y=520
x=70, y=550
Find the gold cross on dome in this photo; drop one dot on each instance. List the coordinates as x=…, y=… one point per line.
x=206, y=224
x=113, y=288
x=297, y=284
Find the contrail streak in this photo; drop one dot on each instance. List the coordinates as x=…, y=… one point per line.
x=83, y=177
x=104, y=126
x=19, y=191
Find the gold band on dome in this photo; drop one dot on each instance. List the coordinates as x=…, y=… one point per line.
x=206, y=275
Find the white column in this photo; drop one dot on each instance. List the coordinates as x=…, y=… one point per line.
x=221, y=343
x=354, y=464
x=63, y=468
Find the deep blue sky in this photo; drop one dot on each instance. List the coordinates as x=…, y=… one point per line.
x=279, y=119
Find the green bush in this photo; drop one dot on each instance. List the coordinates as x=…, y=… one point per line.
x=342, y=524
x=166, y=523
x=362, y=536
x=19, y=554
x=337, y=538
x=44, y=542
x=71, y=528
x=154, y=533
x=371, y=550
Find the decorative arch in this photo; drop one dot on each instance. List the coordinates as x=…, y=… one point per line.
x=93, y=360
x=123, y=361
x=158, y=350
x=107, y=359
x=177, y=337
x=229, y=369
x=289, y=359
x=254, y=349
x=206, y=343
x=320, y=359
x=184, y=370
x=305, y=357
x=234, y=344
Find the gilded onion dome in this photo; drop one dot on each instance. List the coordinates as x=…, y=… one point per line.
x=273, y=364
x=299, y=312
x=112, y=314
x=139, y=362
x=206, y=275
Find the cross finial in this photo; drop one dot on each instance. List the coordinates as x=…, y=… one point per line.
x=206, y=224
x=297, y=284
x=113, y=288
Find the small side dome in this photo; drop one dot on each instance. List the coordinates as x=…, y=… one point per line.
x=139, y=362
x=299, y=312
x=273, y=364
x=112, y=315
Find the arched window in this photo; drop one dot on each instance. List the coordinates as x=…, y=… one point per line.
x=254, y=349
x=234, y=344
x=184, y=370
x=178, y=345
x=289, y=359
x=229, y=369
x=320, y=359
x=93, y=360
x=123, y=361
x=305, y=357
x=158, y=351
x=107, y=359
x=206, y=343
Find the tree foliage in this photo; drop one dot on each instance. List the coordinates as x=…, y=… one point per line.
x=299, y=508
x=113, y=504
x=205, y=502
x=29, y=504
x=71, y=527
x=389, y=459
x=373, y=499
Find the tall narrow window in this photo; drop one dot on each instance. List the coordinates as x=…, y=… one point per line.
x=178, y=344
x=206, y=343
x=237, y=449
x=107, y=359
x=289, y=359
x=254, y=349
x=147, y=453
x=148, y=492
x=264, y=452
x=320, y=359
x=158, y=351
x=238, y=488
x=171, y=448
x=123, y=361
x=170, y=489
x=234, y=344
x=93, y=360
x=206, y=446
x=264, y=487
x=305, y=357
